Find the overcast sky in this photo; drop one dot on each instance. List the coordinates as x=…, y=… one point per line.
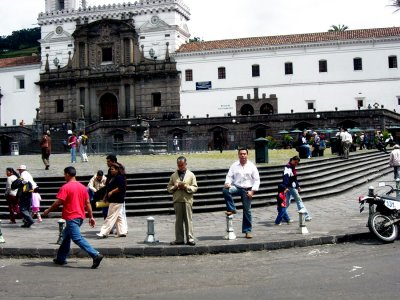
x=226, y=19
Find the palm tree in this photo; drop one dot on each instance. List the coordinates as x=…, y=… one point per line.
x=396, y=3
x=340, y=27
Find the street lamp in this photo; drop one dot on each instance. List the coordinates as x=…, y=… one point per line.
x=1, y=96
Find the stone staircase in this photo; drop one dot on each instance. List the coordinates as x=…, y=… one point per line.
x=147, y=195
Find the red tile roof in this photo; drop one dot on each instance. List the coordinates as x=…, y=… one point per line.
x=290, y=39
x=19, y=61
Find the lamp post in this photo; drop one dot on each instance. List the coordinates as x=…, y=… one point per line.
x=1, y=96
x=189, y=139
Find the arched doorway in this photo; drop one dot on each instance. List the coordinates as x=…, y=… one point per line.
x=108, y=107
x=247, y=109
x=266, y=109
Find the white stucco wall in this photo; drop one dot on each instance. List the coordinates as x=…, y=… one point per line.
x=339, y=87
x=19, y=104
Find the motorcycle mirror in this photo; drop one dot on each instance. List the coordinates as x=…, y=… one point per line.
x=382, y=184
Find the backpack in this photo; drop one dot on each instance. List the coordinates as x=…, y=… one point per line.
x=24, y=187
x=84, y=139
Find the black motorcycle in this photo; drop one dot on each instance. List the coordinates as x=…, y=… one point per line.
x=384, y=213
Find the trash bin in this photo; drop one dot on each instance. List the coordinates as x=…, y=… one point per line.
x=334, y=145
x=14, y=148
x=261, y=147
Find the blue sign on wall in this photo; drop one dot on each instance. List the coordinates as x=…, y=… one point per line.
x=203, y=85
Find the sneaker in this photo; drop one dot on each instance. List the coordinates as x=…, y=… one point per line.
x=248, y=235
x=58, y=262
x=173, y=243
x=290, y=222
x=308, y=219
x=101, y=236
x=278, y=224
x=97, y=260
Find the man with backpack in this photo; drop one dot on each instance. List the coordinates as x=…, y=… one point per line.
x=83, y=143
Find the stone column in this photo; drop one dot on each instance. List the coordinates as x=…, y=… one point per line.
x=122, y=101
x=131, y=54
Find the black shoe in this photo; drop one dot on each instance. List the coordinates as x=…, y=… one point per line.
x=26, y=225
x=58, y=262
x=47, y=167
x=97, y=260
x=191, y=243
x=176, y=243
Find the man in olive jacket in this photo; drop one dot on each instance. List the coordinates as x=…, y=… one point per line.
x=182, y=184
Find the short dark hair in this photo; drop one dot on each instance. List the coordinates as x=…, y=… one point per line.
x=71, y=171
x=112, y=158
x=295, y=158
x=243, y=149
x=181, y=158
x=100, y=173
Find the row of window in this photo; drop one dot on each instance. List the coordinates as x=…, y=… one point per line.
x=322, y=67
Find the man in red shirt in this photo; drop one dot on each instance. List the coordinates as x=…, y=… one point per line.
x=73, y=196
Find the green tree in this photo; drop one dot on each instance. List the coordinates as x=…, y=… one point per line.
x=339, y=27
x=396, y=4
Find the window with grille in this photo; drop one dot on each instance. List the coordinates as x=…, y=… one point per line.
x=189, y=75
x=221, y=73
x=323, y=66
x=357, y=62
x=288, y=68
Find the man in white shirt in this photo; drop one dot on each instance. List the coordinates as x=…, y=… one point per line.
x=347, y=140
x=242, y=180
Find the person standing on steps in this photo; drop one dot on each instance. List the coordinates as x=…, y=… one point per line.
x=290, y=183
x=242, y=180
x=74, y=197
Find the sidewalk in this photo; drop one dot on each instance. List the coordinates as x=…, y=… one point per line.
x=335, y=219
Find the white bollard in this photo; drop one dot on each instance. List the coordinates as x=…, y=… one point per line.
x=2, y=240
x=61, y=225
x=302, y=221
x=150, y=238
x=229, y=229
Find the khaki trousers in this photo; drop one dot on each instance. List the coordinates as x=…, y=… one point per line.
x=114, y=217
x=183, y=216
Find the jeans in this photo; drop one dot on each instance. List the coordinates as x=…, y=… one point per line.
x=72, y=232
x=230, y=205
x=73, y=155
x=396, y=170
x=295, y=194
x=25, y=206
x=282, y=215
x=307, y=148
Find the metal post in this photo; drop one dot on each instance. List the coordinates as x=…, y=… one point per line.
x=229, y=229
x=2, y=240
x=61, y=224
x=150, y=238
x=397, y=187
x=302, y=221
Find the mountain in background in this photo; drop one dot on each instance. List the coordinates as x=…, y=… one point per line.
x=20, y=43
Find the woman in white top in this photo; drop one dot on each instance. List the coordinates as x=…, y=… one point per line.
x=11, y=195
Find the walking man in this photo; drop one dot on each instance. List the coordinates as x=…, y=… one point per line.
x=292, y=185
x=242, y=180
x=25, y=196
x=45, y=146
x=74, y=197
x=395, y=161
x=182, y=184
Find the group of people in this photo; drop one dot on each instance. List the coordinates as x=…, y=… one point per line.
x=317, y=146
x=79, y=142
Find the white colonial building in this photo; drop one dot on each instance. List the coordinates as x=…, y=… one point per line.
x=305, y=72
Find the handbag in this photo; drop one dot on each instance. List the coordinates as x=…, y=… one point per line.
x=102, y=204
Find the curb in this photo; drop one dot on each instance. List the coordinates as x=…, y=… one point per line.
x=148, y=250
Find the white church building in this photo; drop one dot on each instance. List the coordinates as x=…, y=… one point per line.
x=355, y=69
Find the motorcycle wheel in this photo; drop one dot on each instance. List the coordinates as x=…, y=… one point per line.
x=376, y=224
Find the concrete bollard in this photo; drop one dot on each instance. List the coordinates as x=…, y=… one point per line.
x=2, y=240
x=229, y=229
x=61, y=224
x=150, y=238
x=302, y=221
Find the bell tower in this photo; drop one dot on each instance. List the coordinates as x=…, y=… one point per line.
x=56, y=5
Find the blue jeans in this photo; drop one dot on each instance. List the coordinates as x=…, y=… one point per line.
x=282, y=215
x=307, y=148
x=295, y=194
x=230, y=205
x=72, y=232
x=73, y=154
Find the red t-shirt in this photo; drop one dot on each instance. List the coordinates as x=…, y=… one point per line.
x=73, y=196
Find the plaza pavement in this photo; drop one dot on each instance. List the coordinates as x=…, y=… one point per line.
x=335, y=219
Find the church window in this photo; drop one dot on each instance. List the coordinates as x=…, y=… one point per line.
x=156, y=99
x=288, y=68
x=20, y=82
x=255, y=70
x=221, y=73
x=107, y=54
x=392, y=62
x=189, y=75
x=59, y=105
x=357, y=63
x=323, y=66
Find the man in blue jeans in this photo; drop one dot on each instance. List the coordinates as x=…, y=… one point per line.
x=290, y=182
x=74, y=197
x=242, y=180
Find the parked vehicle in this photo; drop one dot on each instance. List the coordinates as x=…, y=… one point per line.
x=384, y=212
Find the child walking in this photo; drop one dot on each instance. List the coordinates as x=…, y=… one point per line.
x=36, y=206
x=282, y=206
